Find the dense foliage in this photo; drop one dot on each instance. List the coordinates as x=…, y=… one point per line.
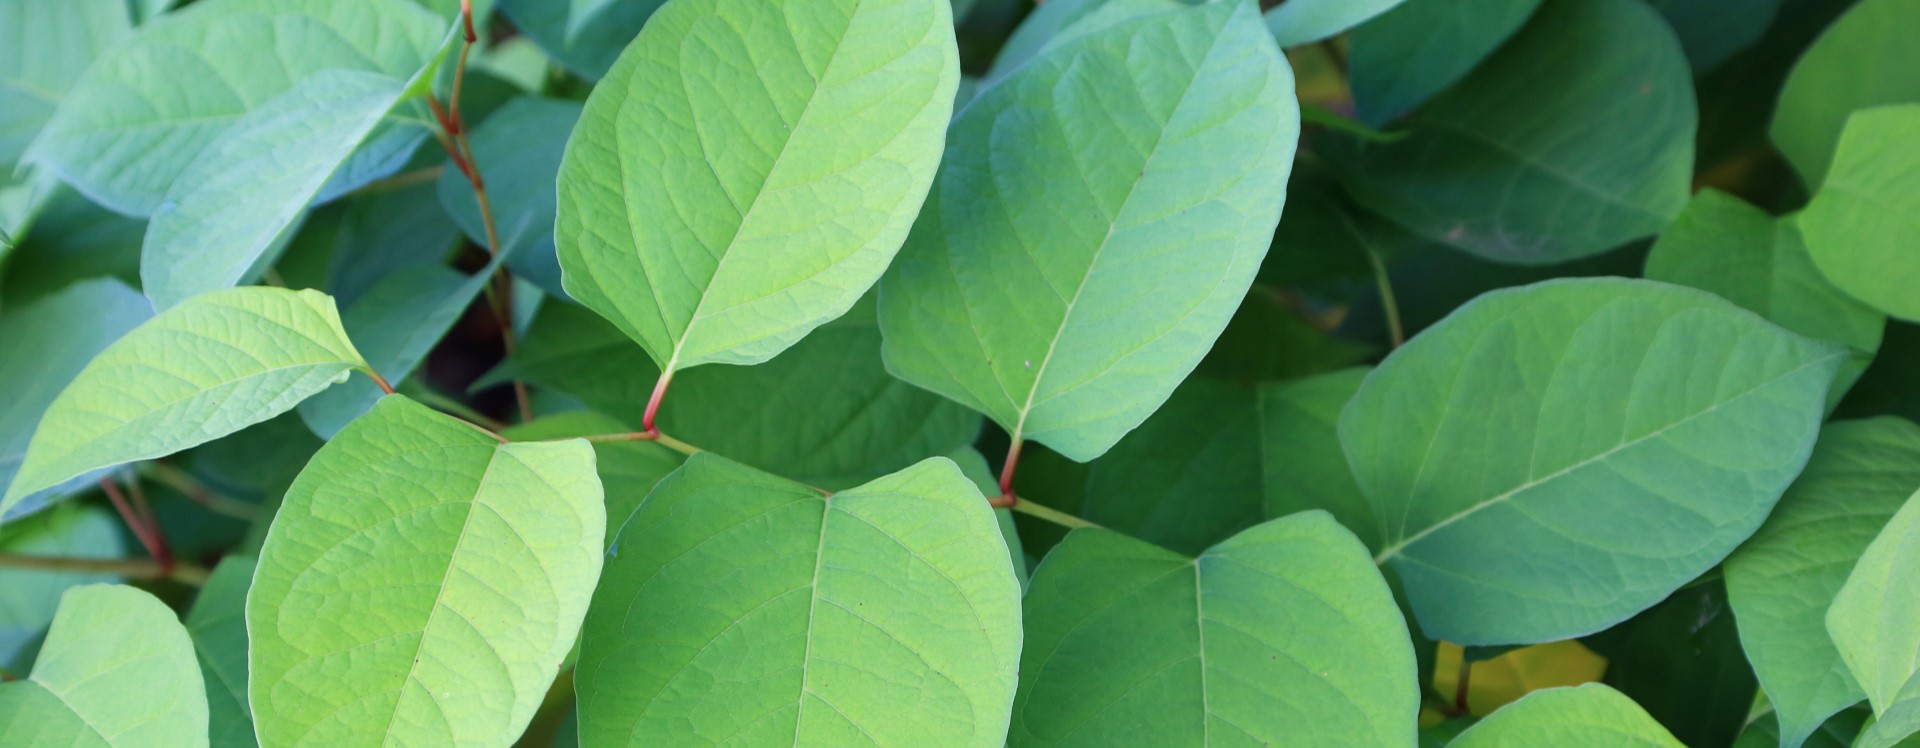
x=960, y=373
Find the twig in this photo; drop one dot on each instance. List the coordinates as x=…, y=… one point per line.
x=149, y=536
x=184, y=573
x=1055, y=516
x=197, y=492
x=1007, y=498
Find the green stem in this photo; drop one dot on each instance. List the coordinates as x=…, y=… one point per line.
x=1055, y=516
x=1387, y=301
x=182, y=572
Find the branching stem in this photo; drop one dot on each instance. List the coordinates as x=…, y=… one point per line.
x=130, y=568
x=144, y=528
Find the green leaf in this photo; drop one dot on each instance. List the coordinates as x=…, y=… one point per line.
x=237, y=199
x=1875, y=618
x=1590, y=716
x=1298, y=22
x=1712, y=31
x=48, y=45
x=1897, y=728
x=463, y=564
x=48, y=343
x=214, y=365
x=117, y=671
x=1266, y=341
x=590, y=52
x=71, y=240
x=739, y=607
x=396, y=324
x=1681, y=661
x=1067, y=309
x=1283, y=635
x=628, y=470
x=1782, y=581
x=519, y=149
x=974, y=466
x=716, y=213
x=1845, y=71
x=1723, y=245
x=1837, y=732
x=28, y=596
x=1482, y=442
x=1860, y=227
x=218, y=625
x=381, y=232
x=126, y=131
x=1422, y=47
x=1300, y=452
x=1565, y=180
x=1190, y=476
x=825, y=413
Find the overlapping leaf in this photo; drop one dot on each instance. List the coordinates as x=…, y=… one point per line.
x=1067, y=309
x=1421, y=47
x=1848, y=69
x=1781, y=582
x=207, y=368
x=739, y=607
x=1526, y=160
x=421, y=584
x=117, y=671
x=1302, y=21
x=519, y=149
x=1284, y=634
x=718, y=212
x=1481, y=443
x=218, y=626
x=28, y=597
x=126, y=131
x=1861, y=225
x=1875, y=623
x=586, y=48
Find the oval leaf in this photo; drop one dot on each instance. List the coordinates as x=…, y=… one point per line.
x=48, y=46
x=214, y=365
x=1067, y=309
x=1781, y=582
x=1563, y=181
x=1875, y=618
x=1298, y=22
x=717, y=213
x=126, y=156
x=463, y=564
x=739, y=607
x=1282, y=635
x=1422, y=47
x=1482, y=443
x=1591, y=716
x=117, y=671
x=1841, y=74
x=1861, y=226
x=246, y=189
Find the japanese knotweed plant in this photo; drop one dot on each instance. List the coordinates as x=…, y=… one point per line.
x=959, y=373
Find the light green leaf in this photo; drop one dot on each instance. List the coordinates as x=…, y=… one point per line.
x=740, y=608
x=218, y=625
x=1422, y=47
x=397, y=323
x=1298, y=22
x=47, y=46
x=1300, y=452
x=825, y=413
x=1590, y=716
x=216, y=364
x=124, y=134
x=1723, y=245
x=519, y=149
x=48, y=343
x=717, y=213
x=1526, y=161
x=28, y=596
x=117, y=671
x=1067, y=309
x=1781, y=582
x=1283, y=635
x=1875, y=618
x=628, y=470
x=464, y=565
x=974, y=466
x=1482, y=442
x=1861, y=226
x=1839, y=75
x=1897, y=728
x=243, y=192
x=590, y=52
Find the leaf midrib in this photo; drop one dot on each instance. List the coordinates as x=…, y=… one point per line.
x=1394, y=550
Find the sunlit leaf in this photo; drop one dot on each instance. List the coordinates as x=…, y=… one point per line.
x=117, y=671
x=1875, y=623
x=1843, y=72
x=1861, y=226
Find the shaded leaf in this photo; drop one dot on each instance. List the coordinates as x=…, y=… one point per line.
x=1300, y=458
x=1681, y=661
x=28, y=597
x=742, y=607
x=1284, y=634
x=519, y=150
x=117, y=671
x=464, y=565
x=1711, y=31
x=218, y=625
x=382, y=231
x=716, y=213
x=1481, y=442
x=202, y=370
x=1563, y=181
x=1146, y=253
x=1301, y=21
x=1422, y=47
x=591, y=52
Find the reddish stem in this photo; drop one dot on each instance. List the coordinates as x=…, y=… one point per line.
x=1007, y=499
x=148, y=535
x=653, y=405
x=1460, y=687
x=466, y=14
